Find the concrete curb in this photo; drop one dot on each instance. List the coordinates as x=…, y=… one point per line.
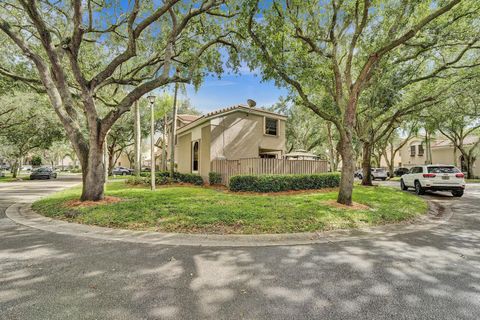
x=22, y=213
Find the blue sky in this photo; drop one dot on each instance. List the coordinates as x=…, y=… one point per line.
x=234, y=89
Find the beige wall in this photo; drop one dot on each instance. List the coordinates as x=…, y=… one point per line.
x=396, y=161
x=440, y=155
x=243, y=136
x=234, y=136
x=123, y=161
x=406, y=159
x=205, y=152
x=183, y=153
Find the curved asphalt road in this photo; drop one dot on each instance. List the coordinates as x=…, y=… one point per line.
x=432, y=274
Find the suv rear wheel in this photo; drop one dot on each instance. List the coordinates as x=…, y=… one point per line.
x=418, y=188
x=457, y=193
x=403, y=186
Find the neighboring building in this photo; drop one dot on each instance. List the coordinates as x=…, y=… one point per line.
x=414, y=152
x=232, y=133
x=301, y=154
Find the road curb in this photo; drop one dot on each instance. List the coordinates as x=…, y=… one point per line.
x=22, y=213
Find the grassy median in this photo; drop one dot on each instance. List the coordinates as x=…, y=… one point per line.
x=203, y=210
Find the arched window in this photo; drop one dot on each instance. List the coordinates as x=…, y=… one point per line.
x=195, y=156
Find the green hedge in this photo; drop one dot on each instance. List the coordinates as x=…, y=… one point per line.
x=214, y=178
x=277, y=183
x=163, y=177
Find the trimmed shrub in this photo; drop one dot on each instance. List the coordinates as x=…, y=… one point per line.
x=135, y=181
x=214, y=178
x=190, y=178
x=163, y=177
x=277, y=183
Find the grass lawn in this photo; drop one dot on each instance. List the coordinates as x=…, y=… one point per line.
x=8, y=177
x=197, y=210
x=472, y=180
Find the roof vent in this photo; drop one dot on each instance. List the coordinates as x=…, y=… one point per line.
x=251, y=103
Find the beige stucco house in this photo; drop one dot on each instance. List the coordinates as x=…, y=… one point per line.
x=414, y=152
x=233, y=133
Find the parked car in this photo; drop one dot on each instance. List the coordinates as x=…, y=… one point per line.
x=122, y=171
x=436, y=178
x=358, y=174
x=400, y=171
x=43, y=173
x=377, y=173
x=5, y=167
x=26, y=167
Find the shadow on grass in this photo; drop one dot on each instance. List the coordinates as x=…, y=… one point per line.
x=433, y=274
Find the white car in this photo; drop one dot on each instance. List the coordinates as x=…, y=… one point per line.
x=377, y=173
x=434, y=177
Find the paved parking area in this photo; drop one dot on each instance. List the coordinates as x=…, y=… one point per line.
x=433, y=274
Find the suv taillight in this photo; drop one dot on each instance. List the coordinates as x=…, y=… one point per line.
x=460, y=175
x=429, y=175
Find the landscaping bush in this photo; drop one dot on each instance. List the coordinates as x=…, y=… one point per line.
x=277, y=183
x=189, y=178
x=214, y=178
x=163, y=177
x=135, y=181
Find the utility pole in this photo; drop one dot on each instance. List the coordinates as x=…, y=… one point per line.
x=174, y=132
x=137, y=134
x=151, y=99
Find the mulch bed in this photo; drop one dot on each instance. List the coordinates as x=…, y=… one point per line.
x=83, y=204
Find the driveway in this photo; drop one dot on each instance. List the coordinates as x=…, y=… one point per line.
x=432, y=274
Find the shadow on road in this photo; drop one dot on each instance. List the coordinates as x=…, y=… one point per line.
x=431, y=274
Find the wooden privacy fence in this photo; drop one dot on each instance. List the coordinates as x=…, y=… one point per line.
x=259, y=166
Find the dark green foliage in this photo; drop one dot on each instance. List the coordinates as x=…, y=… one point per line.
x=277, y=183
x=163, y=177
x=214, y=178
x=36, y=161
x=135, y=181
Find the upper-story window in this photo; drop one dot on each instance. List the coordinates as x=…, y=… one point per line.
x=412, y=151
x=271, y=126
x=420, y=150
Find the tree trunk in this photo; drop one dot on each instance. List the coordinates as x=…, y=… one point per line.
x=93, y=173
x=137, y=137
x=366, y=164
x=469, y=161
x=164, y=144
x=174, y=132
x=348, y=168
x=110, y=161
x=455, y=162
x=15, y=169
x=333, y=166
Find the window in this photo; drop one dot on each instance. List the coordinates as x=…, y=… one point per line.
x=271, y=126
x=441, y=169
x=195, y=156
x=412, y=151
x=267, y=156
x=416, y=170
x=420, y=150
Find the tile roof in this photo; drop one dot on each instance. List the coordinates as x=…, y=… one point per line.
x=188, y=117
x=447, y=143
x=215, y=113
